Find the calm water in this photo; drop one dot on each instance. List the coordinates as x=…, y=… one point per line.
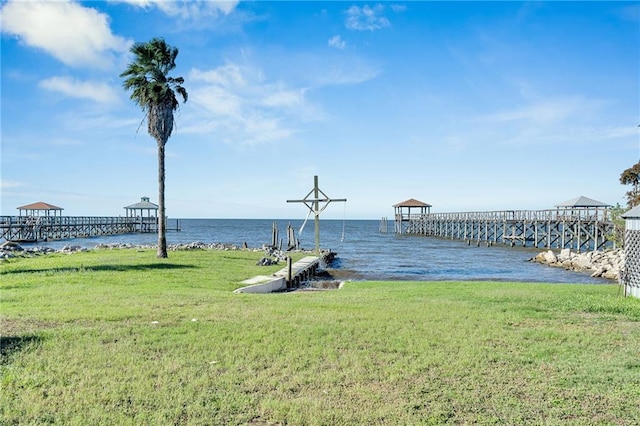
x=364, y=253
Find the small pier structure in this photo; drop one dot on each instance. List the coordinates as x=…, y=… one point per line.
x=581, y=224
x=145, y=215
x=43, y=222
x=403, y=213
x=288, y=278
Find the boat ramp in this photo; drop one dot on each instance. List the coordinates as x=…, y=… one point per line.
x=289, y=277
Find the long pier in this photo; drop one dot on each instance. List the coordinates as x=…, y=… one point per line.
x=580, y=229
x=45, y=228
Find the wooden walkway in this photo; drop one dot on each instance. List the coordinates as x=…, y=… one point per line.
x=580, y=229
x=281, y=280
x=301, y=270
x=44, y=228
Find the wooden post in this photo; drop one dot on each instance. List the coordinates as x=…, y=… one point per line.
x=291, y=237
x=316, y=210
x=274, y=235
x=289, y=271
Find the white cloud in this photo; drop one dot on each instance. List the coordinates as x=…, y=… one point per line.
x=337, y=42
x=187, y=9
x=572, y=120
x=629, y=12
x=8, y=184
x=229, y=75
x=619, y=132
x=366, y=18
x=352, y=71
x=544, y=112
x=329, y=68
x=65, y=141
x=72, y=33
x=283, y=97
x=398, y=8
x=99, y=92
x=240, y=106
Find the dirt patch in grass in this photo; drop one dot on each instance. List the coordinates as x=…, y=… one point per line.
x=14, y=327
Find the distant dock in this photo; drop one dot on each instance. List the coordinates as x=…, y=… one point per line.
x=46, y=228
x=580, y=229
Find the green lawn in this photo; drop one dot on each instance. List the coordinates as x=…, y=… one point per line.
x=120, y=337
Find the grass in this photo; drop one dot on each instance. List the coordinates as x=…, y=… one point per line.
x=119, y=337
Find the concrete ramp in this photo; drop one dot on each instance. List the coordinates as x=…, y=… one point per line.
x=262, y=284
x=300, y=270
x=306, y=265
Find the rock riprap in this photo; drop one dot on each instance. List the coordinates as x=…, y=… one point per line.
x=9, y=249
x=600, y=264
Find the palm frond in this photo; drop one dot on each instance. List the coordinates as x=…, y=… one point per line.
x=147, y=77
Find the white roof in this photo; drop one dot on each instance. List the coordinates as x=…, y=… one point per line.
x=634, y=213
x=144, y=204
x=582, y=201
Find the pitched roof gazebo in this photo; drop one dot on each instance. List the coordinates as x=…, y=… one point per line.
x=40, y=209
x=144, y=208
x=403, y=211
x=581, y=207
x=582, y=201
x=409, y=204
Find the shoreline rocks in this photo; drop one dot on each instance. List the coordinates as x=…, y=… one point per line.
x=10, y=249
x=600, y=264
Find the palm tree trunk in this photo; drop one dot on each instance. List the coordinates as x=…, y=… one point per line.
x=162, y=226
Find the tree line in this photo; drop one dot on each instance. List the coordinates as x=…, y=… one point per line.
x=631, y=176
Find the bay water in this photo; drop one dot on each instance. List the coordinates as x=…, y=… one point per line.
x=363, y=253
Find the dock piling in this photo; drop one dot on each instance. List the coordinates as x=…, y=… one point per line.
x=579, y=229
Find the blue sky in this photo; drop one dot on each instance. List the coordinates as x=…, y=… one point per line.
x=468, y=106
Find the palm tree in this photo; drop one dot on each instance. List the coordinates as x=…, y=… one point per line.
x=155, y=92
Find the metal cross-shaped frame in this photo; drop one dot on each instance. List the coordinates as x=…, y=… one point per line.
x=313, y=204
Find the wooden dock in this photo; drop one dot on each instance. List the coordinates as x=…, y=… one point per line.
x=46, y=228
x=289, y=277
x=580, y=229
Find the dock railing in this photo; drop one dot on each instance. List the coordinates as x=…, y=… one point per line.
x=585, y=228
x=43, y=228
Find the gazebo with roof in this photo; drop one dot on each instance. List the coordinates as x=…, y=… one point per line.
x=143, y=208
x=40, y=209
x=145, y=215
x=583, y=207
x=403, y=211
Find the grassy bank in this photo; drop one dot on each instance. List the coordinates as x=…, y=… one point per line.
x=119, y=337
